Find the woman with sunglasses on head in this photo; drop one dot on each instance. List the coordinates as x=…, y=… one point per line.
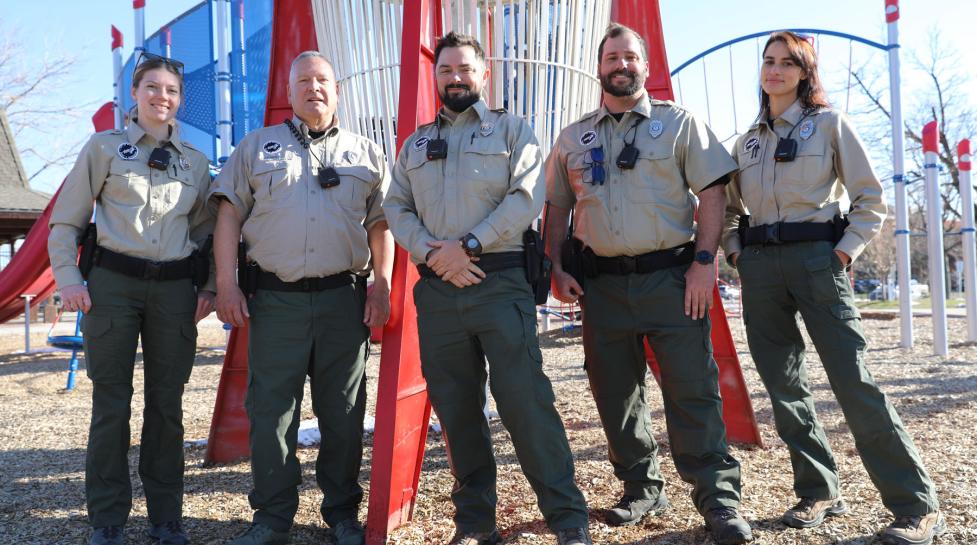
x=788, y=238
x=148, y=278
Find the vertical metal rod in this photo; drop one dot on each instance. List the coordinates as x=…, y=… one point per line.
x=903, y=265
x=934, y=235
x=223, y=78
x=117, y=78
x=27, y=322
x=969, y=238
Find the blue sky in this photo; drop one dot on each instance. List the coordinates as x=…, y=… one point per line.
x=82, y=28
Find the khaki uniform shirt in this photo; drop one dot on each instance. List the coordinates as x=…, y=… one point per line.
x=488, y=185
x=649, y=207
x=292, y=226
x=830, y=160
x=142, y=212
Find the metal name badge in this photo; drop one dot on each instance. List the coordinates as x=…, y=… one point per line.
x=350, y=156
x=588, y=137
x=128, y=152
x=807, y=129
x=486, y=128
x=184, y=162
x=655, y=128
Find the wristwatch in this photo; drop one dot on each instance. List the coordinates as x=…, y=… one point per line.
x=705, y=257
x=471, y=245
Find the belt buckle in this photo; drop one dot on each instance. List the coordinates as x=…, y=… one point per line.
x=628, y=264
x=771, y=234
x=152, y=270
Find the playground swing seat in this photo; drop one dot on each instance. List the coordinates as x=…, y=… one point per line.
x=75, y=343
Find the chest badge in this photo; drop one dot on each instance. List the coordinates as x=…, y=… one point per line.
x=588, y=137
x=272, y=147
x=350, y=156
x=128, y=152
x=421, y=142
x=184, y=162
x=655, y=128
x=806, y=130
x=486, y=128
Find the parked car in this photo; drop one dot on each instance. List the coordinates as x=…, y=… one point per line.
x=727, y=291
x=866, y=285
x=916, y=289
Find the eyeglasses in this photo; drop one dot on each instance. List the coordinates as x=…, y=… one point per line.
x=598, y=175
x=147, y=56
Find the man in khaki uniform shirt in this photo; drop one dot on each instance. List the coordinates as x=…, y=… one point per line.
x=792, y=253
x=481, y=195
x=628, y=170
x=308, y=194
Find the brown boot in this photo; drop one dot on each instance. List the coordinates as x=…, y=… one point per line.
x=915, y=530
x=810, y=512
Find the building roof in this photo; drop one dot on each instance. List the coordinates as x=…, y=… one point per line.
x=16, y=195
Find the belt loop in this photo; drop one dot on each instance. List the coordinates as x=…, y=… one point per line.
x=772, y=234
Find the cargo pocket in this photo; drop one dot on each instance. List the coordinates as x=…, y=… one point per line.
x=101, y=364
x=844, y=311
x=189, y=332
x=527, y=313
x=822, y=279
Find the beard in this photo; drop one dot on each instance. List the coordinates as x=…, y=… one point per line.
x=461, y=101
x=625, y=90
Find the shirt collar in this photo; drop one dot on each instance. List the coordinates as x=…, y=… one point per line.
x=642, y=108
x=480, y=109
x=135, y=133
x=791, y=115
x=332, y=130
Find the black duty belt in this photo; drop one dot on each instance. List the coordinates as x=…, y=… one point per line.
x=644, y=263
x=137, y=267
x=487, y=262
x=270, y=281
x=782, y=232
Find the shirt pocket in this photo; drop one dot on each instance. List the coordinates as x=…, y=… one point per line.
x=268, y=178
x=355, y=186
x=127, y=184
x=580, y=172
x=808, y=165
x=486, y=167
x=655, y=170
x=180, y=193
x=424, y=175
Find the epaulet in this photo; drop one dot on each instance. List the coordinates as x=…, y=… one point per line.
x=111, y=132
x=500, y=110
x=667, y=104
x=189, y=145
x=419, y=127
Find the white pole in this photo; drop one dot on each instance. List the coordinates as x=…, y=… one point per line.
x=934, y=234
x=969, y=238
x=903, y=268
x=223, y=79
x=117, y=78
x=27, y=322
x=139, y=12
x=167, y=42
x=244, y=66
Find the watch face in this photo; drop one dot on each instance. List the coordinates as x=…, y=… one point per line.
x=472, y=244
x=704, y=257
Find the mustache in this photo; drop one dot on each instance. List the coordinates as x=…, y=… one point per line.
x=457, y=86
x=623, y=72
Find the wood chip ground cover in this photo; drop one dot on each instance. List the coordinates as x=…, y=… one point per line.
x=44, y=432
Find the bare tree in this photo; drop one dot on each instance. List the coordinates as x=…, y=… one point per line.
x=941, y=97
x=26, y=90
x=879, y=257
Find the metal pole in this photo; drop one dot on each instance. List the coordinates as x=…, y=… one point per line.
x=27, y=322
x=223, y=78
x=73, y=362
x=167, y=42
x=934, y=234
x=117, y=78
x=139, y=12
x=243, y=69
x=969, y=238
x=903, y=267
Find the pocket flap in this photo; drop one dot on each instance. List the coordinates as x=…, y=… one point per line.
x=360, y=172
x=488, y=146
x=264, y=167
x=843, y=311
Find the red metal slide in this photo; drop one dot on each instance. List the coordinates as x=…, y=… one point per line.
x=29, y=272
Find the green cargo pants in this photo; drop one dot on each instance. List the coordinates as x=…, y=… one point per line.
x=807, y=277
x=619, y=312
x=161, y=313
x=458, y=330
x=294, y=335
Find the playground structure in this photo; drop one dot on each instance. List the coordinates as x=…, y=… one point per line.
x=540, y=51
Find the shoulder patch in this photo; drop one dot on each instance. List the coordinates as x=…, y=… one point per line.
x=588, y=137
x=421, y=142
x=272, y=146
x=127, y=152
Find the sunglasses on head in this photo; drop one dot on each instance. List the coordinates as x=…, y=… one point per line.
x=147, y=56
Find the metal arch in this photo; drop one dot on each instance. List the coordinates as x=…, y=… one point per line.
x=834, y=33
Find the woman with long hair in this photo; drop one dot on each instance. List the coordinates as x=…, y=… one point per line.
x=792, y=243
x=148, y=277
